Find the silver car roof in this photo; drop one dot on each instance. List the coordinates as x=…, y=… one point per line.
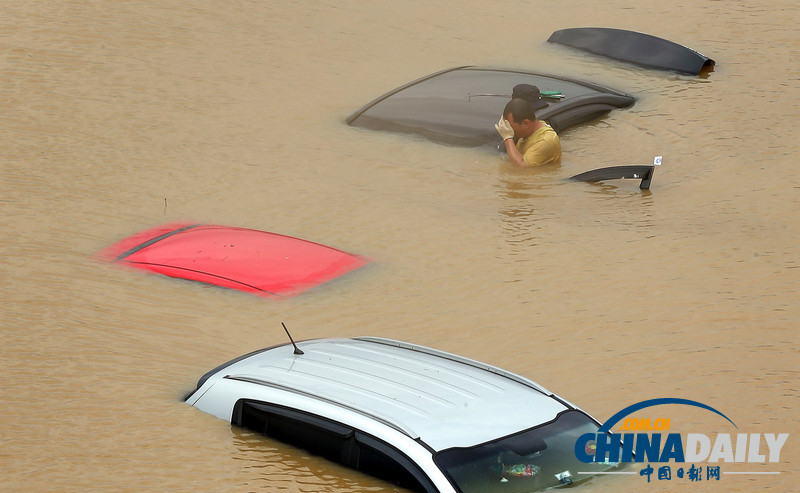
x=440, y=398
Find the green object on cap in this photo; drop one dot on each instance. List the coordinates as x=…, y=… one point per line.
x=551, y=94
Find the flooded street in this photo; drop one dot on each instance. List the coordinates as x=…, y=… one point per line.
x=120, y=116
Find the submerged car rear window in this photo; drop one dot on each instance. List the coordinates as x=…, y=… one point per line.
x=536, y=459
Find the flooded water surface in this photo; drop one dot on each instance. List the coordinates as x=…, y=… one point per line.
x=120, y=116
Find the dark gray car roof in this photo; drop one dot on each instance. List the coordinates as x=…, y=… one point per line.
x=459, y=106
x=634, y=47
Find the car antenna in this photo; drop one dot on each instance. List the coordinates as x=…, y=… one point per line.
x=296, y=349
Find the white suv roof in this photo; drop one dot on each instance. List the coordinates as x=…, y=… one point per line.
x=397, y=409
x=443, y=399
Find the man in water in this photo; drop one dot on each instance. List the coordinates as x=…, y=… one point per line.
x=537, y=142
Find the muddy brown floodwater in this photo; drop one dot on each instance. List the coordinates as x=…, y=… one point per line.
x=119, y=116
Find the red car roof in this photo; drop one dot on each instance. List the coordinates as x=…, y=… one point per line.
x=259, y=262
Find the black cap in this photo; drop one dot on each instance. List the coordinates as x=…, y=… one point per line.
x=529, y=93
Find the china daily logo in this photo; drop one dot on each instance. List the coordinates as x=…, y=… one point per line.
x=650, y=441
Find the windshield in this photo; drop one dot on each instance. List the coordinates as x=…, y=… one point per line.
x=533, y=460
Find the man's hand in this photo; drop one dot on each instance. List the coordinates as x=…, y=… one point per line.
x=503, y=127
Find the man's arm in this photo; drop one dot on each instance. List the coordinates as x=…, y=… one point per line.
x=507, y=134
x=514, y=155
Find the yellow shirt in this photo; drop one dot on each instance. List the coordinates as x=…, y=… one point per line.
x=541, y=147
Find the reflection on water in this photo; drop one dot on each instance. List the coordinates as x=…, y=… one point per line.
x=522, y=197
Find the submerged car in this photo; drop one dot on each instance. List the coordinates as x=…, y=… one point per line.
x=459, y=106
x=259, y=262
x=420, y=418
x=634, y=47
